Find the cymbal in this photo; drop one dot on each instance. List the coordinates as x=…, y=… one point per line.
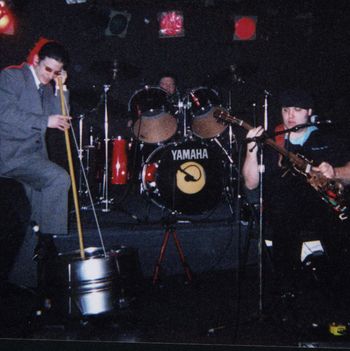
x=116, y=69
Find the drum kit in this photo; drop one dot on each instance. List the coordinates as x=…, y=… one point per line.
x=181, y=158
x=178, y=154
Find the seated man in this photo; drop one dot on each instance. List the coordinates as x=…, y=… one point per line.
x=290, y=203
x=29, y=105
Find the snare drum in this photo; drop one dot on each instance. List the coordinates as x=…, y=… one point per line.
x=203, y=102
x=185, y=177
x=152, y=114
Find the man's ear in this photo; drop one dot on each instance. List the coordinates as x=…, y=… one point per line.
x=36, y=60
x=309, y=112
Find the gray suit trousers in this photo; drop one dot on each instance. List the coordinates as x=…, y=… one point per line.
x=47, y=186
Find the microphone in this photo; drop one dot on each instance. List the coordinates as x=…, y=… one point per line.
x=312, y=124
x=315, y=120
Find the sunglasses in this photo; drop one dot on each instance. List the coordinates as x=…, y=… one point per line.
x=50, y=70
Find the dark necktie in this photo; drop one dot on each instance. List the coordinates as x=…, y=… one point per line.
x=41, y=93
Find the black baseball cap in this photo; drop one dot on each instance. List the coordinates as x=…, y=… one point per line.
x=296, y=98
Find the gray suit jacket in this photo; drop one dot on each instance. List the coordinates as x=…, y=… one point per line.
x=23, y=119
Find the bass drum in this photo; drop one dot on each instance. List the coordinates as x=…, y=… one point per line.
x=153, y=118
x=203, y=103
x=186, y=177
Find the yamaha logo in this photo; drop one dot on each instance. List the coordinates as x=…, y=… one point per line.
x=189, y=154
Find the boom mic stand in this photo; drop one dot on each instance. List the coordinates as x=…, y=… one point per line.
x=261, y=201
x=237, y=78
x=259, y=143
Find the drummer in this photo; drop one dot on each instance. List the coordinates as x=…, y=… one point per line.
x=168, y=82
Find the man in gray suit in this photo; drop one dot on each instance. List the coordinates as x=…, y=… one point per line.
x=29, y=104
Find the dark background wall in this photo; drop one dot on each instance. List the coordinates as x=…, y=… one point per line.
x=298, y=43
x=303, y=43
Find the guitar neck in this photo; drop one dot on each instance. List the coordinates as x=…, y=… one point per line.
x=297, y=161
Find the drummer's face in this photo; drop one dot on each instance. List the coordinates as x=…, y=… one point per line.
x=168, y=84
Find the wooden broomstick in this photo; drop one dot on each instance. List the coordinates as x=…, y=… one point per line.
x=71, y=172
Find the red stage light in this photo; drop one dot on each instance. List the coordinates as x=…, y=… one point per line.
x=245, y=28
x=171, y=24
x=6, y=20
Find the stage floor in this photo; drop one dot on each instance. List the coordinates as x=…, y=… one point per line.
x=216, y=308
x=228, y=301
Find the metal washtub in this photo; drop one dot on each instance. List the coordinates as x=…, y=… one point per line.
x=91, y=281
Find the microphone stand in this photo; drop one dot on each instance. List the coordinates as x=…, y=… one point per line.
x=259, y=143
x=261, y=203
x=284, y=131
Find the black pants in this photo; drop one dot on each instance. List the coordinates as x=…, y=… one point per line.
x=290, y=230
x=15, y=213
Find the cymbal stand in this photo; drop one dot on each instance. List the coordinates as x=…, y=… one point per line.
x=80, y=151
x=186, y=105
x=185, y=109
x=182, y=113
x=105, y=196
x=88, y=192
x=229, y=188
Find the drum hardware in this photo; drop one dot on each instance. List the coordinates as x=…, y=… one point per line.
x=80, y=150
x=233, y=169
x=153, y=115
x=105, y=196
x=87, y=158
x=89, y=166
x=183, y=107
x=202, y=103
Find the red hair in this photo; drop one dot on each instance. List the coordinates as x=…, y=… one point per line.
x=37, y=47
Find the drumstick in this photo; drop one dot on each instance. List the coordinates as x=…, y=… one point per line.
x=71, y=172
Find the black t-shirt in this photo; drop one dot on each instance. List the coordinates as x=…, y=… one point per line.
x=290, y=197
